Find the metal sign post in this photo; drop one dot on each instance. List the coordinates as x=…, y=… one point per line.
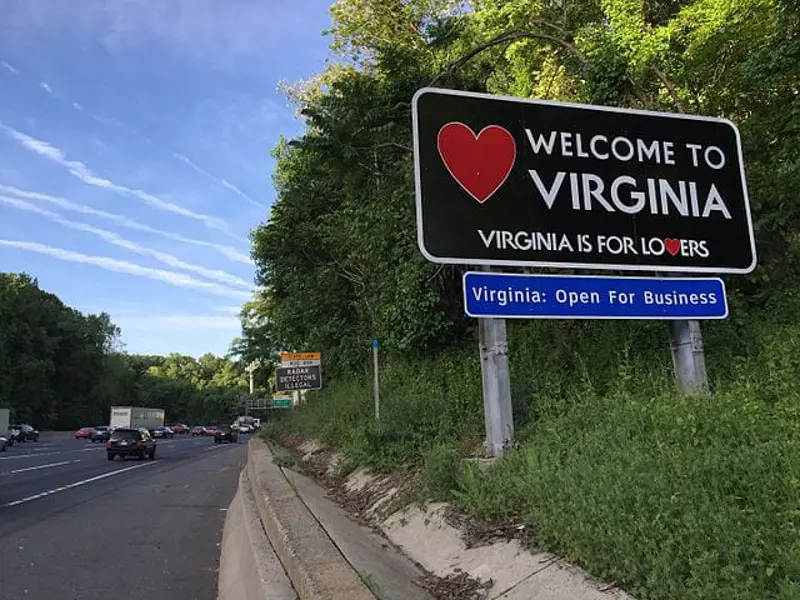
x=688, y=358
x=376, y=383
x=497, y=412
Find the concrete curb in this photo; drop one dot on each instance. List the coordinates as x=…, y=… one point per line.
x=249, y=568
x=315, y=566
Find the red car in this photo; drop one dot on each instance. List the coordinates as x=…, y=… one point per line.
x=180, y=428
x=84, y=433
x=211, y=430
x=198, y=430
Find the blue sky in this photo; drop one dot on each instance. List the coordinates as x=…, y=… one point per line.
x=134, y=153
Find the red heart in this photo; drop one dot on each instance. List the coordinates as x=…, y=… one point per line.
x=673, y=246
x=479, y=163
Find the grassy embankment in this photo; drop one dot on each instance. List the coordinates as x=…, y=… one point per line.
x=669, y=497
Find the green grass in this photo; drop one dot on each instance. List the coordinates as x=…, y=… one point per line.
x=672, y=498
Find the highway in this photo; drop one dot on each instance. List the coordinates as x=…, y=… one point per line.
x=74, y=526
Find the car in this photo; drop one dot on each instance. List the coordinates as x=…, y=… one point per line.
x=245, y=428
x=101, y=433
x=211, y=430
x=131, y=442
x=24, y=433
x=84, y=433
x=225, y=433
x=163, y=432
x=198, y=430
x=3, y=444
x=179, y=428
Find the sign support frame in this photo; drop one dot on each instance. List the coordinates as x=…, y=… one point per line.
x=686, y=340
x=496, y=379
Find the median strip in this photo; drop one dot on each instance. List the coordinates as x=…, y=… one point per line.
x=76, y=484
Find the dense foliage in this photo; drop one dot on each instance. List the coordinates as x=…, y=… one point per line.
x=668, y=497
x=60, y=369
x=338, y=257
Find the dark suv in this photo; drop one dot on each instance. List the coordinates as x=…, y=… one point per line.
x=23, y=433
x=131, y=442
x=100, y=434
x=225, y=433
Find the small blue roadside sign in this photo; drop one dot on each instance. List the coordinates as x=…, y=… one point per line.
x=512, y=296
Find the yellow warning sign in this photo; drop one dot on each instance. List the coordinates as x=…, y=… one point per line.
x=289, y=356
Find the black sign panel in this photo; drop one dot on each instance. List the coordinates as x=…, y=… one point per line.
x=298, y=378
x=506, y=181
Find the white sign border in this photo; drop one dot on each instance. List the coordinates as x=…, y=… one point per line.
x=593, y=318
x=570, y=265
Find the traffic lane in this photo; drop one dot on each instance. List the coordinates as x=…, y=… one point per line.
x=32, y=491
x=58, y=445
x=27, y=467
x=154, y=531
x=30, y=454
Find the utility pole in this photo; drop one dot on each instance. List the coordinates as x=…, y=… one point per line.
x=251, y=368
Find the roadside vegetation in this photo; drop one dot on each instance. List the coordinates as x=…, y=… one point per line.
x=61, y=369
x=667, y=496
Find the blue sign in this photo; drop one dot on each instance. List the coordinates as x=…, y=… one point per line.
x=374, y=343
x=503, y=295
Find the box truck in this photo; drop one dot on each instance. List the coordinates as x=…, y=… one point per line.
x=4, y=437
x=133, y=417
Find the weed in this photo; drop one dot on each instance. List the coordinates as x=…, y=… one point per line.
x=286, y=461
x=669, y=497
x=371, y=581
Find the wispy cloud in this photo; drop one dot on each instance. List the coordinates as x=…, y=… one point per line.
x=8, y=67
x=77, y=106
x=224, y=183
x=233, y=310
x=46, y=87
x=227, y=251
x=118, y=240
x=82, y=172
x=179, y=322
x=222, y=34
x=120, y=266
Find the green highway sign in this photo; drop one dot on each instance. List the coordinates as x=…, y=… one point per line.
x=282, y=403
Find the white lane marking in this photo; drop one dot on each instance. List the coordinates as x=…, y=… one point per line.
x=55, y=464
x=28, y=455
x=76, y=484
x=218, y=446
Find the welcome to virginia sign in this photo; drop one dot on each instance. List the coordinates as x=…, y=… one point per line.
x=506, y=181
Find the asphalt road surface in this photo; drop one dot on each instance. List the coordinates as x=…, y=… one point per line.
x=74, y=526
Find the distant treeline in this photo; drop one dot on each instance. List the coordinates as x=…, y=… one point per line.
x=61, y=369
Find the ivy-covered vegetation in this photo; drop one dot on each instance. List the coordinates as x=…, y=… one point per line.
x=60, y=369
x=671, y=498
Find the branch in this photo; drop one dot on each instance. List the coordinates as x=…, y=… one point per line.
x=342, y=272
x=384, y=145
x=673, y=92
x=436, y=273
x=510, y=36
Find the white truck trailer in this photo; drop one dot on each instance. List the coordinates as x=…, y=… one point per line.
x=4, y=417
x=4, y=439
x=133, y=417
